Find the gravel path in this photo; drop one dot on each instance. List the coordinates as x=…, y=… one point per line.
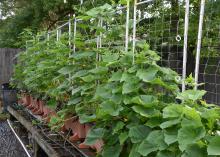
x=9, y=145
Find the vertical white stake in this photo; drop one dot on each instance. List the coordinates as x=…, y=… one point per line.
x=127, y=26
x=186, y=28
x=134, y=29
x=202, y=9
x=58, y=33
x=70, y=32
x=74, y=35
x=48, y=36
x=100, y=36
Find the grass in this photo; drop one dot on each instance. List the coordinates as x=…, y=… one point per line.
x=4, y=116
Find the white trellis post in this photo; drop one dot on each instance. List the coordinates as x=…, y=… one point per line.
x=186, y=28
x=48, y=36
x=134, y=29
x=127, y=26
x=74, y=34
x=58, y=34
x=202, y=10
x=70, y=31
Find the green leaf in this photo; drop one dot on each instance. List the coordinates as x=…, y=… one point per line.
x=118, y=127
x=52, y=103
x=103, y=93
x=111, y=108
x=156, y=137
x=76, y=90
x=99, y=70
x=67, y=70
x=195, y=150
x=123, y=137
x=88, y=78
x=146, y=112
x=110, y=58
x=116, y=76
x=146, y=148
x=154, y=142
x=170, y=136
x=191, y=95
x=214, y=146
x=94, y=135
x=189, y=135
x=165, y=154
x=111, y=151
x=138, y=133
x=154, y=122
x=169, y=123
x=173, y=111
x=80, y=73
x=74, y=101
x=129, y=87
x=82, y=55
x=147, y=75
x=134, y=151
x=145, y=100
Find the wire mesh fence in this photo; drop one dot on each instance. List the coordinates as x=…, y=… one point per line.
x=161, y=24
x=210, y=53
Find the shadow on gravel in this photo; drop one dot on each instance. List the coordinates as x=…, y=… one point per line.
x=9, y=145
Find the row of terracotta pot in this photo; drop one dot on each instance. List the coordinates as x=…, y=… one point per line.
x=79, y=131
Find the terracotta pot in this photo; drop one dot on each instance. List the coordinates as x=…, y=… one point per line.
x=39, y=110
x=78, y=130
x=31, y=104
x=46, y=111
x=26, y=99
x=98, y=144
x=35, y=106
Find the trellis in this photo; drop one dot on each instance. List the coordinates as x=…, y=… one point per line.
x=178, y=42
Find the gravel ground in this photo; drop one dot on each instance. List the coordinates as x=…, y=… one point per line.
x=9, y=145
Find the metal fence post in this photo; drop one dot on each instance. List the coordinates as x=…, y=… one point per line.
x=202, y=10
x=186, y=28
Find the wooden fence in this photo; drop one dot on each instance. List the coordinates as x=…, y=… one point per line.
x=7, y=61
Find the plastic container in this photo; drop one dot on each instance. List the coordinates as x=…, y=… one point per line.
x=9, y=96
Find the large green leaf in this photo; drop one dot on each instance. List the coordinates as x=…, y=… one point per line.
x=145, y=100
x=214, y=146
x=165, y=154
x=147, y=75
x=191, y=95
x=99, y=70
x=195, y=150
x=116, y=76
x=82, y=55
x=169, y=123
x=111, y=151
x=146, y=112
x=134, y=151
x=173, y=111
x=129, y=87
x=146, y=148
x=80, y=73
x=111, y=108
x=123, y=137
x=94, y=135
x=67, y=70
x=170, y=135
x=119, y=125
x=154, y=142
x=189, y=135
x=138, y=133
